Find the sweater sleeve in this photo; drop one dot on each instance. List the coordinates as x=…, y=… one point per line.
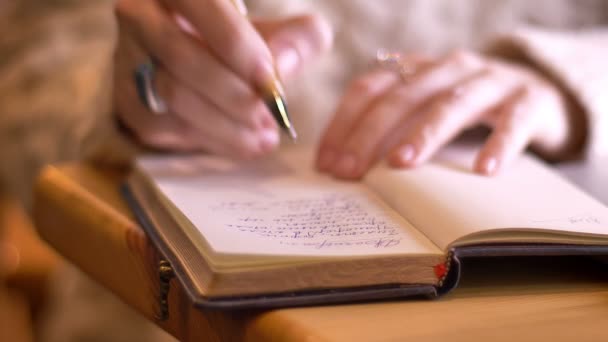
x=577, y=61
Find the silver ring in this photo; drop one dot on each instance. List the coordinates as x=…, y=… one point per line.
x=396, y=62
x=144, y=82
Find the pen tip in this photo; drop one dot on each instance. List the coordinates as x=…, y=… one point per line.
x=277, y=105
x=292, y=133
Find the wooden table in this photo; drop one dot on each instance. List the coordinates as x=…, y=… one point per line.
x=79, y=211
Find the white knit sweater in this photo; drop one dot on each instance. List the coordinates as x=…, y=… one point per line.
x=563, y=37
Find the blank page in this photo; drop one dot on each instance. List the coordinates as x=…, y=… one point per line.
x=447, y=201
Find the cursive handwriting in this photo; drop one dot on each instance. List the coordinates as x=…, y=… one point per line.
x=576, y=219
x=331, y=220
x=376, y=243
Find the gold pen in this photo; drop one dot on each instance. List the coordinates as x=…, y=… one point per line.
x=273, y=93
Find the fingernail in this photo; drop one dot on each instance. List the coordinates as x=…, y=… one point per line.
x=490, y=166
x=326, y=159
x=406, y=154
x=346, y=165
x=269, y=140
x=287, y=61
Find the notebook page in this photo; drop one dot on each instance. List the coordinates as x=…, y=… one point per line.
x=447, y=202
x=280, y=206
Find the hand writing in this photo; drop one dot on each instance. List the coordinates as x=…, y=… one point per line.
x=409, y=119
x=210, y=61
x=327, y=221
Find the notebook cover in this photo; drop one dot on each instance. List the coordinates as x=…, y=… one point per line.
x=459, y=255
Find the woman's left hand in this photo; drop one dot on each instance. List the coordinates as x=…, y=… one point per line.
x=409, y=118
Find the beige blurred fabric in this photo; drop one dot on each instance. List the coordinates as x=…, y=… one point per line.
x=56, y=61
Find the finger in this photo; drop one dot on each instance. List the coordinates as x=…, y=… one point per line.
x=356, y=99
x=359, y=96
x=295, y=41
x=449, y=114
x=158, y=131
x=366, y=141
x=165, y=132
x=512, y=133
x=361, y=143
x=192, y=64
x=215, y=132
x=231, y=37
x=292, y=41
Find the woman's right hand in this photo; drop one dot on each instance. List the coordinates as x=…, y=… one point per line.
x=210, y=62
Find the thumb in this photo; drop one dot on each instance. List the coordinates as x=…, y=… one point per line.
x=295, y=41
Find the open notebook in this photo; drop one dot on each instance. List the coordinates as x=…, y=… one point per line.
x=273, y=232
